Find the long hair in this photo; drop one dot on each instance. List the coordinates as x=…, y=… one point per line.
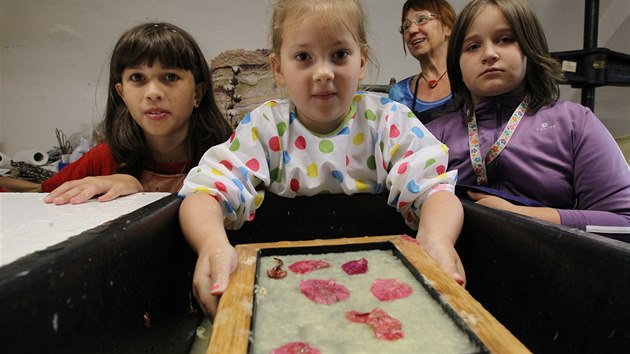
x=172, y=47
x=543, y=72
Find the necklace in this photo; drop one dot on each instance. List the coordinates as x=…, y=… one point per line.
x=433, y=83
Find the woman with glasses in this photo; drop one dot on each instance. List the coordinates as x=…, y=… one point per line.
x=425, y=28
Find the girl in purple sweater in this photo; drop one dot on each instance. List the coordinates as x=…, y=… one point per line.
x=510, y=136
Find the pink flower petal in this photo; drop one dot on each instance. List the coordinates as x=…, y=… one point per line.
x=384, y=326
x=390, y=289
x=325, y=292
x=303, y=267
x=359, y=266
x=295, y=348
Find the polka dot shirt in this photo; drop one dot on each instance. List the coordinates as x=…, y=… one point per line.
x=380, y=146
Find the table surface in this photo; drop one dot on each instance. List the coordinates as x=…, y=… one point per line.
x=27, y=224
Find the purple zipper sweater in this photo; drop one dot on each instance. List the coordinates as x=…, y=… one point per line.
x=561, y=156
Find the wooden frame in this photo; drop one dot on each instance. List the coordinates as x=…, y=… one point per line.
x=231, y=328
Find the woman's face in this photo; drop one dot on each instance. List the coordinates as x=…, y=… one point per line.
x=424, y=33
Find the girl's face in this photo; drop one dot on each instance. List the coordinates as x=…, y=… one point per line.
x=321, y=66
x=426, y=37
x=160, y=100
x=491, y=60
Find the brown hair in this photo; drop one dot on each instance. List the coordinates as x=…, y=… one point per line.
x=543, y=72
x=442, y=8
x=172, y=47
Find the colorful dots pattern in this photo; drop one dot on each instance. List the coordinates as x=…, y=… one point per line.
x=227, y=164
x=282, y=128
x=374, y=150
x=253, y=165
x=326, y=146
x=286, y=157
x=358, y=139
x=371, y=162
x=294, y=185
x=274, y=143
x=344, y=131
x=311, y=170
x=220, y=186
x=338, y=175
x=300, y=143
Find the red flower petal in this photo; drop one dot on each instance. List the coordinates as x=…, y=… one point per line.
x=295, y=348
x=359, y=266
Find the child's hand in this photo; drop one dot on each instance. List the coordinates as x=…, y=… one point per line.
x=212, y=275
x=201, y=219
x=79, y=191
x=447, y=258
x=441, y=220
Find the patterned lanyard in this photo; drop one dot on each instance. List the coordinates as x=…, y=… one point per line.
x=479, y=166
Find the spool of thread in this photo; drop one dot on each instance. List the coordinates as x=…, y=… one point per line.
x=5, y=161
x=33, y=156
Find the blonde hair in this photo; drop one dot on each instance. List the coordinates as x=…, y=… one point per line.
x=348, y=13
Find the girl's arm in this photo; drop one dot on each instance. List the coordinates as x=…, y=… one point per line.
x=547, y=214
x=601, y=178
x=96, y=162
x=417, y=180
x=201, y=220
x=18, y=185
x=441, y=221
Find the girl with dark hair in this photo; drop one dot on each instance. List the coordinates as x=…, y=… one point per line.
x=160, y=118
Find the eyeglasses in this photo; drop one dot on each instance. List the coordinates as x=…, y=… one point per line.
x=420, y=21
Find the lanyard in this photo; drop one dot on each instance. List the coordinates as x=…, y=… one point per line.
x=415, y=96
x=478, y=165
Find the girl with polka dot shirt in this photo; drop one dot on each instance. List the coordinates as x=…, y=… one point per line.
x=325, y=138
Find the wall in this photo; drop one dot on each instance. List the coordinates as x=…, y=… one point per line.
x=53, y=64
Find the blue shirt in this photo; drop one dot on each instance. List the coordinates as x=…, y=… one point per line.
x=426, y=111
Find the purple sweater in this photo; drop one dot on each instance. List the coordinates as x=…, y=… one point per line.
x=562, y=156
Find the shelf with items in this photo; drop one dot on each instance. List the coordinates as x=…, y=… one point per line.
x=592, y=66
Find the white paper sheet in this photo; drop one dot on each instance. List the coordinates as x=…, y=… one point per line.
x=27, y=224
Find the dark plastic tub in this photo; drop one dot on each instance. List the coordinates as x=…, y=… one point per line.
x=125, y=287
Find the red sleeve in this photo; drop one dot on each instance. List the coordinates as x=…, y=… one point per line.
x=96, y=162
